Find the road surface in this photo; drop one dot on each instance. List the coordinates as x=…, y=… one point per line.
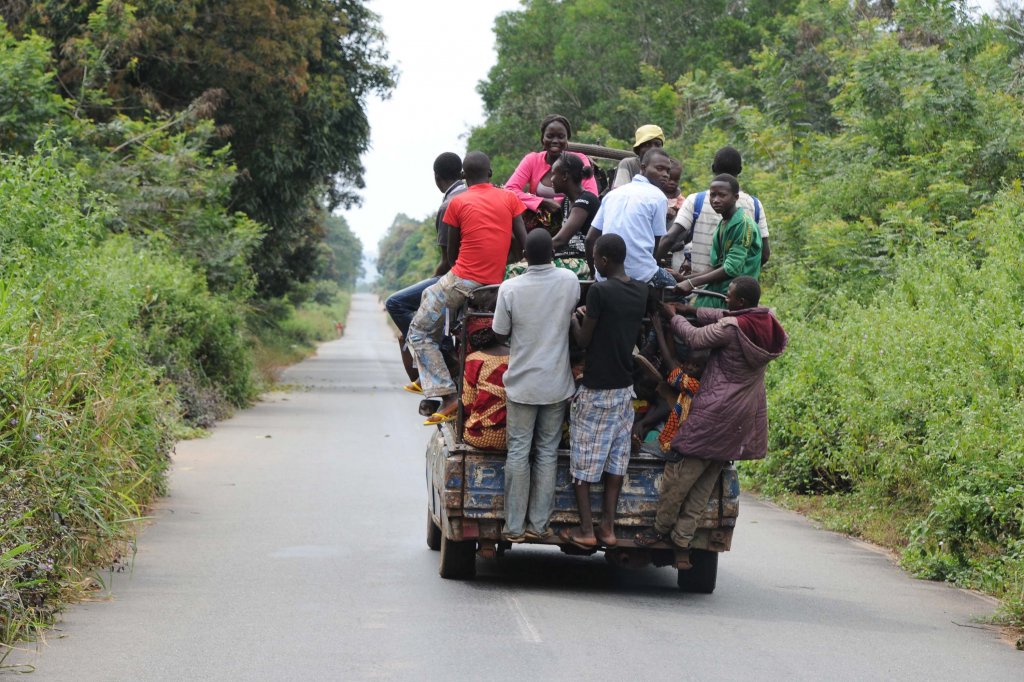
x=291, y=547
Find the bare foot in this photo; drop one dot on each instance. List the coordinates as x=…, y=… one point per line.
x=606, y=536
x=578, y=537
x=448, y=405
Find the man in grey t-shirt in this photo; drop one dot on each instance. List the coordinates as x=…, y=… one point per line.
x=533, y=311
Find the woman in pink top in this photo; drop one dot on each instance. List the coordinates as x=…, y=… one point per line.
x=531, y=181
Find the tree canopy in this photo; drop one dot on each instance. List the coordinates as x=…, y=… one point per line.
x=285, y=83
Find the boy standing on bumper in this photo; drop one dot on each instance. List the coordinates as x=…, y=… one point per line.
x=601, y=418
x=533, y=311
x=729, y=415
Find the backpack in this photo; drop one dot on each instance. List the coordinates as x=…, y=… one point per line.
x=698, y=205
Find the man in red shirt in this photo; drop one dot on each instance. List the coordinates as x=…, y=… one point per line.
x=481, y=223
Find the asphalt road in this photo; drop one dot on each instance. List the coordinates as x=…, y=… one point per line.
x=291, y=547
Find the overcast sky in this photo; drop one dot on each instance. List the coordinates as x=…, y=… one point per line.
x=443, y=49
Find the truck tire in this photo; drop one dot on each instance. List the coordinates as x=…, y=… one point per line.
x=702, y=577
x=458, y=559
x=433, y=534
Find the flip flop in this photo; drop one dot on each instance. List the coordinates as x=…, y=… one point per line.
x=438, y=418
x=413, y=387
x=648, y=537
x=565, y=535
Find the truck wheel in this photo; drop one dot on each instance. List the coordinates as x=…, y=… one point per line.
x=433, y=534
x=702, y=577
x=458, y=559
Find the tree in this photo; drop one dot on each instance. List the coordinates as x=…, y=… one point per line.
x=295, y=78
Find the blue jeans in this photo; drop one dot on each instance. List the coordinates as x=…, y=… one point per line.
x=402, y=305
x=662, y=279
x=530, y=490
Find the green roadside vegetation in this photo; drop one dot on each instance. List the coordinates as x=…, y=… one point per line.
x=166, y=245
x=885, y=141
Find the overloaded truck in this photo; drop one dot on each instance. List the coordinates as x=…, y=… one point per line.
x=465, y=504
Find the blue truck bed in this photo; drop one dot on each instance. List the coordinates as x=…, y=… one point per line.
x=466, y=502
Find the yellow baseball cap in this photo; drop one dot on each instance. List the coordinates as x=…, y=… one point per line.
x=647, y=133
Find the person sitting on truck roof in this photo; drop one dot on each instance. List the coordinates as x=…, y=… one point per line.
x=578, y=210
x=531, y=181
x=636, y=211
x=601, y=417
x=646, y=137
x=483, y=386
x=696, y=221
x=481, y=224
x=402, y=305
x=533, y=311
x=735, y=246
x=672, y=192
x=728, y=417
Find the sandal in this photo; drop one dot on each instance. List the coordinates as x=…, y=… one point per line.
x=413, y=387
x=565, y=535
x=683, y=562
x=540, y=536
x=439, y=418
x=649, y=536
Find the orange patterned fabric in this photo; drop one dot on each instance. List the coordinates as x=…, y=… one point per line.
x=483, y=396
x=687, y=387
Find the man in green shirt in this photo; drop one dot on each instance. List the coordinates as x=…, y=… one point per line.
x=735, y=246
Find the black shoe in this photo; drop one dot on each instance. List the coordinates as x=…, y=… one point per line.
x=429, y=406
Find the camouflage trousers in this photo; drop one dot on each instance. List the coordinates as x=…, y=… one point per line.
x=427, y=329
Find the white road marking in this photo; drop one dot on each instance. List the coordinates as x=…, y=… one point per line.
x=526, y=628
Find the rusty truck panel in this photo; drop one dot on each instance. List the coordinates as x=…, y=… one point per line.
x=473, y=494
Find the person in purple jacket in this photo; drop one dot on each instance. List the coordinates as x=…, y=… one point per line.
x=729, y=415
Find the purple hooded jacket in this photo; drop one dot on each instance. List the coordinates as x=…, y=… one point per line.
x=729, y=416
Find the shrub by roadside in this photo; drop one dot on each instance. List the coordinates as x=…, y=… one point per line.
x=103, y=347
x=907, y=413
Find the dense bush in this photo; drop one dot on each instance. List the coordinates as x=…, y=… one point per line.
x=884, y=140
x=85, y=421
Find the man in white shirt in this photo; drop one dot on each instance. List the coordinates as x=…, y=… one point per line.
x=534, y=311
x=636, y=212
x=696, y=221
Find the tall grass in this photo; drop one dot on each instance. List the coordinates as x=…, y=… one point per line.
x=104, y=347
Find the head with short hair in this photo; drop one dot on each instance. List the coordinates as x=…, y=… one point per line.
x=695, y=362
x=723, y=193
x=477, y=168
x=609, y=253
x=675, y=172
x=727, y=160
x=744, y=292
x=538, y=247
x=656, y=166
x=556, y=118
x=555, y=133
x=447, y=168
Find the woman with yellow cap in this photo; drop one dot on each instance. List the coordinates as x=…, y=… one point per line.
x=647, y=137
